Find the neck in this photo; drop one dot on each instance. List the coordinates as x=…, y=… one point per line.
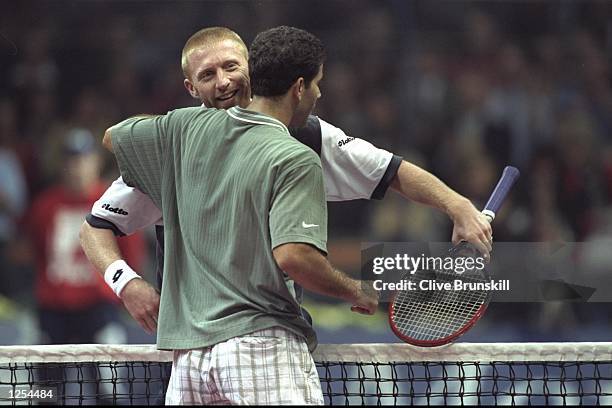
x=279, y=108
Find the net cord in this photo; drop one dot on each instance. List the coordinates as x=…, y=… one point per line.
x=366, y=353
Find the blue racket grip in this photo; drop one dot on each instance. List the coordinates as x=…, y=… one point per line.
x=502, y=189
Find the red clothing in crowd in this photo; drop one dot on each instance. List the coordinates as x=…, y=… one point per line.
x=65, y=277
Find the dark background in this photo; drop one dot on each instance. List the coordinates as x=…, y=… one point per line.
x=460, y=88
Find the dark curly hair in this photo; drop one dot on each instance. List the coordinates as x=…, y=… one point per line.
x=281, y=55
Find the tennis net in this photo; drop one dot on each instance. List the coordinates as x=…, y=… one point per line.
x=358, y=374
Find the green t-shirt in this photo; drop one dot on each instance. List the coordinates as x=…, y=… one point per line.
x=232, y=185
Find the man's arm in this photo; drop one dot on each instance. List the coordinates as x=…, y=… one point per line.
x=139, y=147
x=107, y=141
x=470, y=225
x=311, y=270
x=298, y=232
x=122, y=210
x=100, y=246
x=354, y=169
x=140, y=298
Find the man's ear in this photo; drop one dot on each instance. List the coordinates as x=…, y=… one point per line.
x=298, y=88
x=191, y=89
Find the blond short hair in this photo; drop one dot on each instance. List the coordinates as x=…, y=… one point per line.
x=206, y=37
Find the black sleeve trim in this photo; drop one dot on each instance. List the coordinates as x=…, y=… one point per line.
x=387, y=178
x=98, y=222
x=310, y=134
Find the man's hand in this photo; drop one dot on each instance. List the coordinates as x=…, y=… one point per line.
x=366, y=298
x=307, y=266
x=142, y=302
x=472, y=226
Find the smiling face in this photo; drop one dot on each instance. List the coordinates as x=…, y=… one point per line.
x=218, y=74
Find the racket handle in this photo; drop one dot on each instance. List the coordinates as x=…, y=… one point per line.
x=498, y=196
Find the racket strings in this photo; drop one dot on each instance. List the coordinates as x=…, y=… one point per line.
x=427, y=315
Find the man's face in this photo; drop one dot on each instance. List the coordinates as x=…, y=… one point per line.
x=219, y=75
x=308, y=101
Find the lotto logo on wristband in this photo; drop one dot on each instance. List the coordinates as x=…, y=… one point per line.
x=117, y=275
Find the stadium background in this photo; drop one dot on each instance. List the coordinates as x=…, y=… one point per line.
x=461, y=88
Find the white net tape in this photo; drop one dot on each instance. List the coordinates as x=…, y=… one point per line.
x=377, y=353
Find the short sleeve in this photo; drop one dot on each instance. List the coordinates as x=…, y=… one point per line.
x=354, y=168
x=299, y=211
x=139, y=145
x=127, y=208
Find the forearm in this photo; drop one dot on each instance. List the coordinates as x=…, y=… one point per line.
x=140, y=298
x=311, y=270
x=419, y=185
x=100, y=246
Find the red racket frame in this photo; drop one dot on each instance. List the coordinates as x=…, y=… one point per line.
x=439, y=342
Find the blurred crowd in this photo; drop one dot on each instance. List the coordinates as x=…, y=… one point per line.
x=460, y=88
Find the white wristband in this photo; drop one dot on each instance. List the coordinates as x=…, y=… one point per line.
x=118, y=274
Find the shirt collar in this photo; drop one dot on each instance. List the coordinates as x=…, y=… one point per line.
x=245, y=115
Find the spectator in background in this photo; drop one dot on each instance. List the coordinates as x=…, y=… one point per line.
x=425, y=92
x=457, y=77
x=508, y=109
x=580, y=174
x=89, y=111
x=42, y=110
x=13, y=192
x=37, y=70
x=75, y=305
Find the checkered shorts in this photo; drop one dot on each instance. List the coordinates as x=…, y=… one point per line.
x=266, y=367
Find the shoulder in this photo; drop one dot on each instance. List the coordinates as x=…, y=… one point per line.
x=295, y=154
x=193, y=115
x=184, y=122
x=176, y=116
x=310, y=134
x=333, y=135
x=283, y=150
x=192, y=111
x=321, y=136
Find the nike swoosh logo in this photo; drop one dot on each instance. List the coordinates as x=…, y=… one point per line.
x=308, y=225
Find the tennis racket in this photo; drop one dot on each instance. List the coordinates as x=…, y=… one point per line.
x=432, y=316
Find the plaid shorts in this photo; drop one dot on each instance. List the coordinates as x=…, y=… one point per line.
x=266, y=367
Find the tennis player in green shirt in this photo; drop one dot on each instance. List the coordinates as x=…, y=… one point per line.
x=236, y=180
